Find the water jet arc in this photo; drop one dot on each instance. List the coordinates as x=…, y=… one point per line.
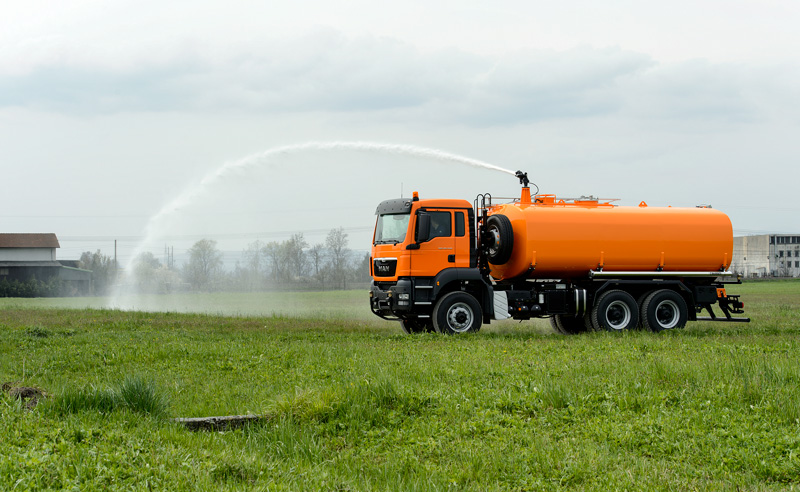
x=185, y=198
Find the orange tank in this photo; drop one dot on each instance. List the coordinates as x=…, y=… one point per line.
x=567, y=239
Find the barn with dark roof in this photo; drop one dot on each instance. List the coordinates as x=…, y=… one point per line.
x=26, y=256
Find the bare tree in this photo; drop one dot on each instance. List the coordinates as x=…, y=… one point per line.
x=316, y=258
x=360, y=269
x=205, y=264
x=252, y=272
x=102, y=268
x=272, y=253
x=145, y=266
x=287, y=260
x=337, y=242
x=295, y=256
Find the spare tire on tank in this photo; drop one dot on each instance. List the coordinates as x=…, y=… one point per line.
x=500, y=239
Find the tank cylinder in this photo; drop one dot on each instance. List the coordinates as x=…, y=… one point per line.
x=569, y=240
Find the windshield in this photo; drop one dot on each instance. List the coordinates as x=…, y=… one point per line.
x=391, y=228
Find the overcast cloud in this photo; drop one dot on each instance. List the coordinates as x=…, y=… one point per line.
x=114, y=107
x=328, y=71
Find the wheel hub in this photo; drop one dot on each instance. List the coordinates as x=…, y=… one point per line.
x=494, y=241
x=667, y=314
x=459, y=317
x=618, y=315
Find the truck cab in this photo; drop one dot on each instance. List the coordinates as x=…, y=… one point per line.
x=422, y=249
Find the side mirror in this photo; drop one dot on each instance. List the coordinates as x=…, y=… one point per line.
x=423, y=227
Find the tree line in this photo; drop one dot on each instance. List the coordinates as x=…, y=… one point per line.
x=293, y=264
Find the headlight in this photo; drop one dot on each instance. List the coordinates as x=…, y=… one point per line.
x=402, y=296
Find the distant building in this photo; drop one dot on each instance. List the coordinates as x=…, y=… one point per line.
x=767, y=255
x=33, y=256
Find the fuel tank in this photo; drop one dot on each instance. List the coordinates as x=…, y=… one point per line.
x=565, y=239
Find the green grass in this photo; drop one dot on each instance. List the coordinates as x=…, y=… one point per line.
x=350, y=304
x=354, y=404
x=133, y=393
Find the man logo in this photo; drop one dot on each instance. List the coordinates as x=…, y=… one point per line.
x=385, y=267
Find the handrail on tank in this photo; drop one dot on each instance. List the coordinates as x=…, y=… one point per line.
x=656, y=274
x=482, y=203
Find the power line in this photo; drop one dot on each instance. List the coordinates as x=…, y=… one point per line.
x=223, y=235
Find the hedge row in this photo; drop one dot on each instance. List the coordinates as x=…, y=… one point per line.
x=30, y=288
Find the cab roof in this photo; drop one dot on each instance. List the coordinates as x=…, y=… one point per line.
x=395, y=206
x=445, y=203
x=403, y=205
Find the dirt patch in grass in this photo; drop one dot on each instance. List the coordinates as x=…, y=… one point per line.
x=28, y=395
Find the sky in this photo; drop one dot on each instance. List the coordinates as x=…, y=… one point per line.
x=116, y=117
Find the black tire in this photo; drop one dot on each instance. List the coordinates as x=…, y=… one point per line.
x=500, y=239
x=556, y=328
x=415, y=325
x=569, y=324
x=457, y=312
x=587, y=322
x=640, y=302
x=664, y=310
x=615, y=310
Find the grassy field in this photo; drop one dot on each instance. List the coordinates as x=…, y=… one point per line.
x=353, y=404
x=348, y=304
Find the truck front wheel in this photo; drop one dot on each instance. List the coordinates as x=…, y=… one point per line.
x=615, y=310
x=457, y=312
x=567, y=324
x=416, y=325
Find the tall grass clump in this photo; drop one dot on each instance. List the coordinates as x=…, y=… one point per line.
x=37, y=331
x=75, y=400
x=133, y=393
x=142, y=396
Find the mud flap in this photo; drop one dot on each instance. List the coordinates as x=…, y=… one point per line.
x=501, y=305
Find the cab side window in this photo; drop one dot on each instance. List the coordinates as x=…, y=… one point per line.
x=460, y=224
x=440, y=224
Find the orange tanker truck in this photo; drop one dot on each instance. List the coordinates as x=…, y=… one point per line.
x=450, y=266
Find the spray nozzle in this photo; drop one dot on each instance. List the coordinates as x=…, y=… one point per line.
x=523, y=178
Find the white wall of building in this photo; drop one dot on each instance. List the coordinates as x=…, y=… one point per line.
x=27, y=254
x=775, y=255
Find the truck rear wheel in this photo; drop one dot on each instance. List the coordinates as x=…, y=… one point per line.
x=640, y=302
x=457, y=312
x=615, y=310
x=664, y=310
x=416, y=325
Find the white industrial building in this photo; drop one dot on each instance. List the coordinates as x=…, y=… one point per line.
x=767, y=255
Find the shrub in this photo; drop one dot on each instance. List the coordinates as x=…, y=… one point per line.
x=30, y=288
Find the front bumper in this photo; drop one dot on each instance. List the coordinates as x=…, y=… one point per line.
x=391, y=300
